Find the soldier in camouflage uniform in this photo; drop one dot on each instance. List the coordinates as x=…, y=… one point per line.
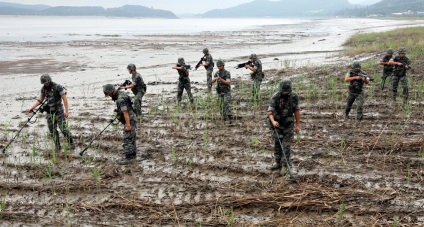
x=138, y=87
x=127, y=116
x=357, y=79
x=387, y=68
x=55, y=114
x=208, y=64
x=183, y=81
x=223, y=89
x=284, y=117
x=402, y=64
x=257, y=75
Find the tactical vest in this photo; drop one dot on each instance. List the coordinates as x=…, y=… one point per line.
x=284, y=109
x=53, y=99
x=355, y=86
x=127, y=99
x=211, y=63
x=140, y=87
x=400, y=69
x=183, y=76
x=387, y=68
x=222, y=88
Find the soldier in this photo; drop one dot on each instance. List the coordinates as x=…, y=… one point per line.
x=55, y=114
x=401, y=63
x=207, y=62
x=223, y=89
x=138, y=87
x=183, y=81
x=126, y=115
x=357, y=78
x=257, y=75
x=284, y=116
x=387, y=68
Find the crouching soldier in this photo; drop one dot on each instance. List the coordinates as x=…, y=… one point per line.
x=284, y=116
x=125, y=114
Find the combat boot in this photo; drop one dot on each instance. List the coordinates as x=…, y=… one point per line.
x=277, y=164
x=125, y=161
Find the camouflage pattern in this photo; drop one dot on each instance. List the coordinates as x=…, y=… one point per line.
x=224, y=93
x=209, y=69
x=55, y=115
x=107, y=89
x=355, y=93
x=184, y=83
x=387, y=69
x=45, y=78
x=131, y=67
x=138, y=90
x=283, y=108
x=123, y=103
x=399, y=74
x=257, y=78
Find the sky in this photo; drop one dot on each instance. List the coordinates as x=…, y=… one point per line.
x=178, y=6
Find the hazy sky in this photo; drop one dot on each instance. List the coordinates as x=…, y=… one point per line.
x=178, y=6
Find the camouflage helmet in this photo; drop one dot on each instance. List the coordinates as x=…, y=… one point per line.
x=131, y=67
x=253, y=56
x=389, y=51
x=181, y=61
x=356, y=65
x=107, y=89
x=401, y=50
x=45, y=78
x=205, y=50
x=220, y=62
x=286, y=86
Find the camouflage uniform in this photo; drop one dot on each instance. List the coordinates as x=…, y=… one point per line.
x=387, y=70
x=183, y=81
x=283, y=109
x=224, y=94
x=55, y=113
x=400, y=75
x=257, y=78
x=138, y=90
x=209, y=69
x=355, y=93
x=123, y=103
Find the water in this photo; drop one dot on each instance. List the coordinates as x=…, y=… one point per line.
x=56, y=28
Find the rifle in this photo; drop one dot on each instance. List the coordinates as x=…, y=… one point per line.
x=111, y=122
x=126, y=82
x=40, y=109
x=184, y=66
x=364, y=75
x=199, y=63
x=242, y=65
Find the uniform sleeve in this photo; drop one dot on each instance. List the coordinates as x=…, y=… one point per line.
x=42, y=94
x=208, y=59
x=228, y=77
x=272, y=104
x=216, y=74
x=122, y=105
x=408, y=62
x=61, y=90
x=296, y=102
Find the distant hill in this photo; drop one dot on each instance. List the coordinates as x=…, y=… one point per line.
x=282, y=8
x=124, y=11
x=386, y=8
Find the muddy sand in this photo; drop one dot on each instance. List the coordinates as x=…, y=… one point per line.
x=194, y=169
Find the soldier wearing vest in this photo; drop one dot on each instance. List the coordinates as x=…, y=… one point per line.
x=55, y=113
x=183, y=81
x=208, y=64
x=387, y=68
x=127, y=117
x=284, y=116
x=257, y=75
x=138, y=87
x=401, y=64
x=357, y=80
x=223, y=89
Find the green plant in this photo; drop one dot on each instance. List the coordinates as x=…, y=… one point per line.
x=173, y=153
x=2, y=205
x=341, y=211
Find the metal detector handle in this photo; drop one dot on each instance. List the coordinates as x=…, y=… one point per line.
x=111, y=122
x=285, y=157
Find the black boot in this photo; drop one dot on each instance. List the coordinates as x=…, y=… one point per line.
x=277, y=164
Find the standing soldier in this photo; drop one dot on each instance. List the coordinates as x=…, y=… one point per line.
x=223, y=89
x=207, y=62
x=55, y=114
x=138, y=87
x=183, y=81
x=284, y=116
x=126, y=115
x=257, y=75
x=401, y=63
x=387, y=67
x=357, y=78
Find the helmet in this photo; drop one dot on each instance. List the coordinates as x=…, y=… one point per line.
x=356, y=65
x=253, y=56
x=131, y=67
x=401, y=51
x=220, y=62
x=181, y=61
x=286, y=86
x=205, y=50
x=107, y=89
x=389, y=51
x=45, y=78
